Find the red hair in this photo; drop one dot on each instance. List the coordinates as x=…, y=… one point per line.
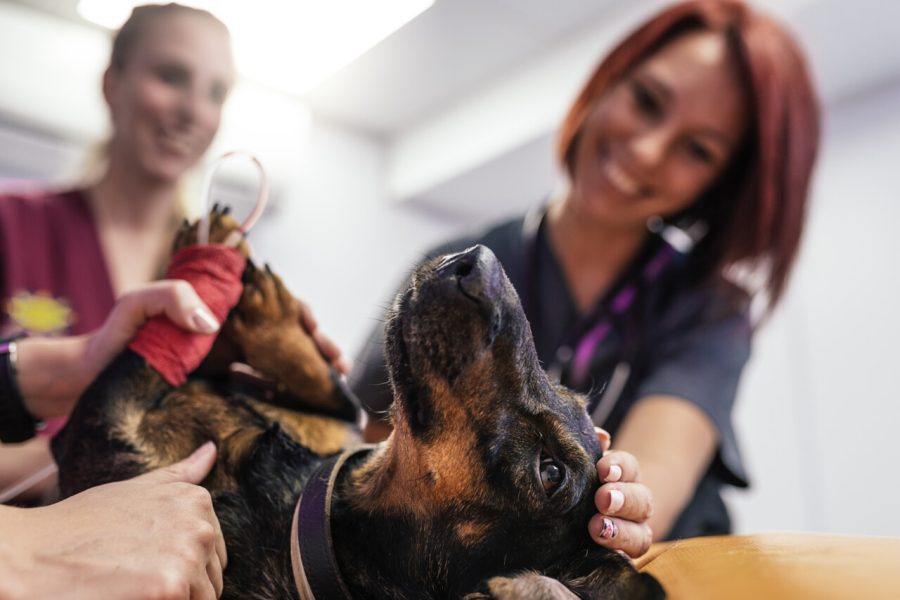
x=756, y=209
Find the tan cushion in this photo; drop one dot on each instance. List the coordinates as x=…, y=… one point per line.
x=777, y=565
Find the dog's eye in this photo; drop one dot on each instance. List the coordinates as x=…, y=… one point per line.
x=552, y=474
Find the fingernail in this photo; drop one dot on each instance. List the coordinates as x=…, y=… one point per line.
x=615, y=474
x=610, y=529
x=204, y=321
x=203, y=450
x=616, y=501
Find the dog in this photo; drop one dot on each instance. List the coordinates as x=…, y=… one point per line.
x=483, y=490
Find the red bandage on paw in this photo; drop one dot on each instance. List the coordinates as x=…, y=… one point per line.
x=215, y=273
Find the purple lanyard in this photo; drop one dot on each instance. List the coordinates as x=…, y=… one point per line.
x=676, y=241
x=621, y=302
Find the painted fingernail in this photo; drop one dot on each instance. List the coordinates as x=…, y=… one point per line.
x=204, y=321
x=616, y=501
x=609, y=530
x=615, y=473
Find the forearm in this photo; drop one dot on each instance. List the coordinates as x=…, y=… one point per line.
x=14, y=555
x=670, y=495
x=674, y=443
x=51, y=374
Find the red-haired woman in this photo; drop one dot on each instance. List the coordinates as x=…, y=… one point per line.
x=688, y=155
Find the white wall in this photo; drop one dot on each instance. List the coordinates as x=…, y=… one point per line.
x=818, y=408
x=335, y=239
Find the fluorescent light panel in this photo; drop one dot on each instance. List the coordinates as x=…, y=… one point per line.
x=289, y=45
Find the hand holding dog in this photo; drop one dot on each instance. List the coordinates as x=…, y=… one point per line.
x=53, y=372
x=154, y=536
x=624, y=503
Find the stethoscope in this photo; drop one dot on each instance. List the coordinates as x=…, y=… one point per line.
x=572, y=360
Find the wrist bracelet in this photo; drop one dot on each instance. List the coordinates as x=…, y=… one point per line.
x=16, y=423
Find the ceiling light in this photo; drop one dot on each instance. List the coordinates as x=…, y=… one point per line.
x=291, y=46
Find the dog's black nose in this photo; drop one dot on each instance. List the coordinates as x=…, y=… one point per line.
x=476, y=272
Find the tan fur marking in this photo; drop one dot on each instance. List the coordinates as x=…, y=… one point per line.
x=322, y=435
x=471, y=533
x=417, y=477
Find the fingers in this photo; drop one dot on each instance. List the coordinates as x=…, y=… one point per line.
x=325, y=344
x=192, y=469
x=214, y=575
x=618, y=465
x=185, y=308
x=624, y=505
x=632, y=501
x=604, y=438
x=343, y=365
x=307, y=319
x=174, y=298
x=331, y=352
x=204, y=589
x=221, y=550
x=632, y=538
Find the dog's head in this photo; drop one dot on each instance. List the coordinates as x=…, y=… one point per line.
x=491, y=460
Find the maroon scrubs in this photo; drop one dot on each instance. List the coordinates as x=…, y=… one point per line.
x=53, y=276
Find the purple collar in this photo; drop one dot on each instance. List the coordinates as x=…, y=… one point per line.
x=316, y=572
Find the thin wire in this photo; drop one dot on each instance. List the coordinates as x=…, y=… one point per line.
x=28, y=482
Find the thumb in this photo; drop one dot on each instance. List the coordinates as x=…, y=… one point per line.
x=604, y=438
x=192, y=469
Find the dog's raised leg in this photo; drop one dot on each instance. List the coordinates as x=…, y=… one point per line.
x=104, y=439
x=266, y=327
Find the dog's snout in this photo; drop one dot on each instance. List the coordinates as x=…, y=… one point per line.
x=475, y=271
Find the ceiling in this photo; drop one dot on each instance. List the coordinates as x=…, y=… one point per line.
x=458, y=46
x=465, y=98
x=450, y=49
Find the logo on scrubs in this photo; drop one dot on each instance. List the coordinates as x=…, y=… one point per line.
x=40, y=313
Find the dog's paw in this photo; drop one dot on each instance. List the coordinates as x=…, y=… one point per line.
x=266, y=326
x=223, y=229
x=530, y=586
x=266, y=301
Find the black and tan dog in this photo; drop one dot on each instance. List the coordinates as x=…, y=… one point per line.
x=483, y=491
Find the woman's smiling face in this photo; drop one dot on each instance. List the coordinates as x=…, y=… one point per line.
x=166, y=100
x=662, y=134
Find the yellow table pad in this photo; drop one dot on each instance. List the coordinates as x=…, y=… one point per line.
x=777, y=565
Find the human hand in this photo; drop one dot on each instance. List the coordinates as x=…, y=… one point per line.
x=53, y=372
x=623, y=503
x=175, y=299
x=154, y=536
x=326, y=346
